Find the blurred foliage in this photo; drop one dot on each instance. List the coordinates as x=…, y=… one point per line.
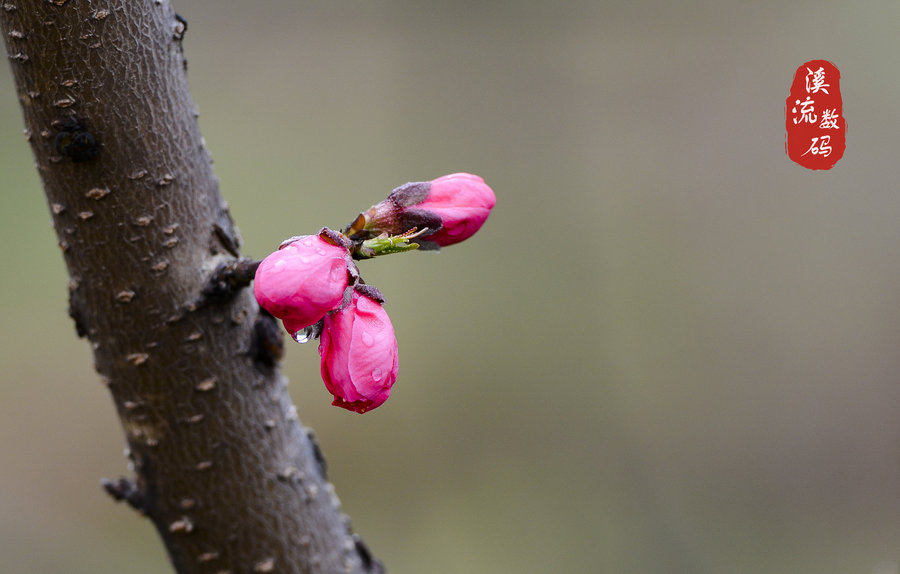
x=670, y=349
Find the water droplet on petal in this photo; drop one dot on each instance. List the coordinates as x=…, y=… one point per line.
x=367, y=339
x=377, y=374
x=303, y=335
x=338, y=272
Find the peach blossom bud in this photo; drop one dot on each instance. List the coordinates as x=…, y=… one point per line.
x=302, y=281
x=359, y=354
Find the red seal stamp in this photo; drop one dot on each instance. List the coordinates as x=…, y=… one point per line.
x=814, y=116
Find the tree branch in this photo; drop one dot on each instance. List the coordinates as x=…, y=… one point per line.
x=222, y=465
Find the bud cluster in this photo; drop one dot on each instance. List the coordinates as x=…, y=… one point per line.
x=313, y=285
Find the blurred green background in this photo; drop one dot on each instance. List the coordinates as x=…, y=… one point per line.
x=670, y=349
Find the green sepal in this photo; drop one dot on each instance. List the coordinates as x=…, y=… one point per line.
x=385, y=245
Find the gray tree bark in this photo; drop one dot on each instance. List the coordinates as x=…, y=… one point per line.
x=222, y=466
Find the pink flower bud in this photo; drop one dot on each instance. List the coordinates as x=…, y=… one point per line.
x=359, y=354
x=452, y=208
x=302, y=281
x=463, y=202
